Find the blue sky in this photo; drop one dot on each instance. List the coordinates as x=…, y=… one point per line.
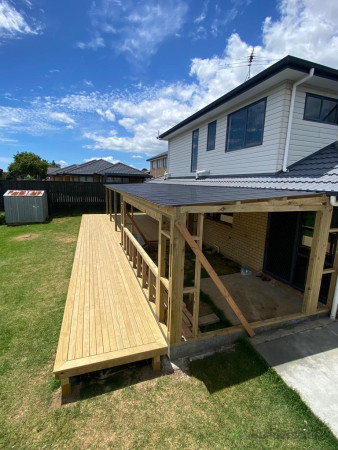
x=85, y=79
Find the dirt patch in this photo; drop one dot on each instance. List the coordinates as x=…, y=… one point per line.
x=61, y=219
x=26, y=237
x=65, y=239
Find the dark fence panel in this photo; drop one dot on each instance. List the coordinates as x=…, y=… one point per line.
x=63, y=196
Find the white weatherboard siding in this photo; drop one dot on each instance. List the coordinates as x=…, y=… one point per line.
x=307, y=136
x=265, y=158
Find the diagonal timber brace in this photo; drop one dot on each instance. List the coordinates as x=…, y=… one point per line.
x=213, y=275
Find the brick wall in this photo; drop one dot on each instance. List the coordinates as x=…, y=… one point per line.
x=244, y=242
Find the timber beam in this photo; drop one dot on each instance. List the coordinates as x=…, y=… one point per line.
x=317, y=203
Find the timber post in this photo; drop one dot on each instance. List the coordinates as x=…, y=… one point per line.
x=176, y=279
x=317, y=259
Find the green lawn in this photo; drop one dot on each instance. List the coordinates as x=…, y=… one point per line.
x=231, y=400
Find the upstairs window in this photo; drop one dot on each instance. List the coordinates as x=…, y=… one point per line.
x=246, y=126
x=321, y=109
x=158, y=163
x=194, y=150
x=211, y=135
x=164, y=162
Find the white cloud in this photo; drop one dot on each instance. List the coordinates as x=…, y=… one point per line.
x=62, y=163
x=136, y=29
x=110, y=159
x=137, y=156
x=63, y=118
x=88, y=83
x=13, y=22
x=108, y=115
x=93, y=44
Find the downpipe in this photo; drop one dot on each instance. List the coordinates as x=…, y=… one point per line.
x=292, y=107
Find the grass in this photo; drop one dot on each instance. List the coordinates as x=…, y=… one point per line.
x=230, y=400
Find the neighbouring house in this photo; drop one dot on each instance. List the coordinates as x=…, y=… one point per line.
x=98, y=170
x=253, y=175
x=158, y=164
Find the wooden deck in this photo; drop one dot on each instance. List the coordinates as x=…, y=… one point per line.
x=107, y=319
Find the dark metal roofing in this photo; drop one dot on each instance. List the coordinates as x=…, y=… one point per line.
x=121, y=169
x=316, y=172
x=100, y=167
x=289, y=62
x=158, y=156
x=179, y=195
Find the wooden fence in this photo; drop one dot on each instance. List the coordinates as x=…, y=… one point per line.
x=63, y=196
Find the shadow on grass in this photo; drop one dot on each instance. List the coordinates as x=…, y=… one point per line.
x=109, y=380
x=223, y=370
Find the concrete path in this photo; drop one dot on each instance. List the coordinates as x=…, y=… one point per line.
x=306, y=357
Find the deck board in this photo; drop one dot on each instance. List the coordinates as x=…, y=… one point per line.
x=107, y=319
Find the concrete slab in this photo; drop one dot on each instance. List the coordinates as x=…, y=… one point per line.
x=257, y=299
x=307, y=361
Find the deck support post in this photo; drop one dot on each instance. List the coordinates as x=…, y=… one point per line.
x=115, y=209
x=176, y=279
x=65, y=387
x=197, y=281
x=106, y=200
x=156, y=363
x=161, y=254
x=317, y=259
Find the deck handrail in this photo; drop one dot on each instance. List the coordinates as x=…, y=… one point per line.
x=150, y=263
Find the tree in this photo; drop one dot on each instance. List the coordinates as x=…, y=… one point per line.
x=27, y=164
x=54, y=164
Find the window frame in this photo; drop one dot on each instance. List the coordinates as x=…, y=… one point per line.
x=197, y=130
x=153, y=164
x=321, y=97
x=208, y=134
x=246, y=125
x=165, y=162
x=158, y=164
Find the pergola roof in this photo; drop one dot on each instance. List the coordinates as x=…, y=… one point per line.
x=182, y=195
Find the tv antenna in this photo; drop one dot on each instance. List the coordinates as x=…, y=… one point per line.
x=250, y=59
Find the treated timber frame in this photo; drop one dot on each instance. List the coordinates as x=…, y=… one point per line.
x=175, y=220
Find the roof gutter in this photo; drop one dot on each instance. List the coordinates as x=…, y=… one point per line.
x=292, y=107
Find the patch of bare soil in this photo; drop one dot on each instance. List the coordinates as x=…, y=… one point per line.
x=65, y=239
x=61, y=219
x=25, y=237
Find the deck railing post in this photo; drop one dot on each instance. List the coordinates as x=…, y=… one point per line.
x=122, y=220
x=161, y=272
x=115, y=209
x=107, y=210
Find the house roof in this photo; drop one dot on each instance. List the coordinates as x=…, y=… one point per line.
x=289, y=62
x=158, y=156
x=121, y=169
x=167, y=194
x=316, y=173
x=99, y=167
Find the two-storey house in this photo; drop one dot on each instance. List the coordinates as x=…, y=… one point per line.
x=255, y=176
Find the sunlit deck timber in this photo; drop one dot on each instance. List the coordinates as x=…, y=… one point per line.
x=107, y=319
